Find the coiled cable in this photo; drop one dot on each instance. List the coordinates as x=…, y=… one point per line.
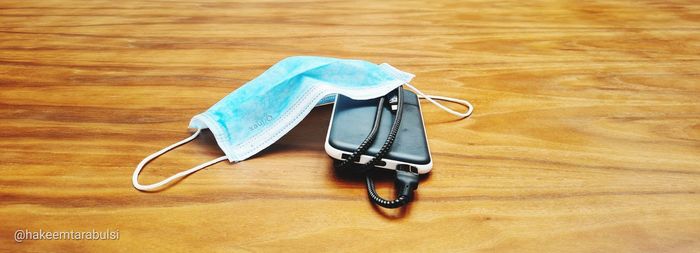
x=406, y=182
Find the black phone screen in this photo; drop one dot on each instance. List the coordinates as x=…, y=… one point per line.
x=353, y=119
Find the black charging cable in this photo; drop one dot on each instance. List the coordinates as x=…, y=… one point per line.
x=406, y=180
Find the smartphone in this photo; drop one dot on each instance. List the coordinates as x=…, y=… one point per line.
x=352, y=120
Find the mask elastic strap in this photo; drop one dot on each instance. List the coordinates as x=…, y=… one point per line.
x=151, y=187
x=431, y=98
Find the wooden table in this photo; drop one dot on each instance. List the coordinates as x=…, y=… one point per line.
x=585, y=137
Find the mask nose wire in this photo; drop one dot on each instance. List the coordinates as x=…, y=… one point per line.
x=155, y=186
x=431, y=98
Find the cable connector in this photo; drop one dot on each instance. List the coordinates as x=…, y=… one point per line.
x=406, y=182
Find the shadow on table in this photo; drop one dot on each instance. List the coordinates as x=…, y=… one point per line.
x=310, y=134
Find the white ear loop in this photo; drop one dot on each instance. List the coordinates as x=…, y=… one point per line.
x=431, y=98
x=151, y=187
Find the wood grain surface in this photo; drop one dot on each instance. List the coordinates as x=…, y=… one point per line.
x=585, y=137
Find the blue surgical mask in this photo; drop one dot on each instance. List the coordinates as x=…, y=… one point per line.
x=263, y=110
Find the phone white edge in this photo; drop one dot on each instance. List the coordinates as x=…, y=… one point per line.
x=390, y=164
